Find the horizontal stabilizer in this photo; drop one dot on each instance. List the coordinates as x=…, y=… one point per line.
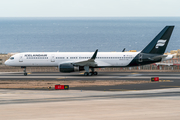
x=158, y=57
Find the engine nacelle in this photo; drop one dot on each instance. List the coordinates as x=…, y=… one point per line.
x=67, y=68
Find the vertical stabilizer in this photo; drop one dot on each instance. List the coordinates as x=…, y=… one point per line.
x=159, y=43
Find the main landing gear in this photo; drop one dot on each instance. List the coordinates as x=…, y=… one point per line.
x=90, y=73
x=25, y=73
x=87, y=73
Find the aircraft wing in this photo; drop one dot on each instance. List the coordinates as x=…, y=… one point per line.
x=89, y=62
x=124, y=50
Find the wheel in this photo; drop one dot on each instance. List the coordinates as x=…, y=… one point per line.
x=95, y=73
x=86, y=74
x=25, y=74
x=90, y=73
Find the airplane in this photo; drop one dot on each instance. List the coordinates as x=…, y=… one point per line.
x=78, y=61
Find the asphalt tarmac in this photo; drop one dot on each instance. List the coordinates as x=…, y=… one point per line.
x=167, y=79
x=146, y=101
x=161, y=104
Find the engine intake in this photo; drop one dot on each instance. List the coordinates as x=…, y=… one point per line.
x=67, y=68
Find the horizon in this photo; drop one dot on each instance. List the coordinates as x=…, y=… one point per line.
x=90, y=8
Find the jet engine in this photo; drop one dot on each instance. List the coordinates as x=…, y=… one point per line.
x=67, y=68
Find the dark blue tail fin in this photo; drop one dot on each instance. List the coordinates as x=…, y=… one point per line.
x=159, y=43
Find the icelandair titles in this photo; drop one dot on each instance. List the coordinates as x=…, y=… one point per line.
x=35, y=55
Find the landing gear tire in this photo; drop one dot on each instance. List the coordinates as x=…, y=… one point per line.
x=86, y=74
x=95, y=73
x=25, y=74
x=90, y=73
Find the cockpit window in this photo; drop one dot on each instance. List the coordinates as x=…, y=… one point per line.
x=11, y=58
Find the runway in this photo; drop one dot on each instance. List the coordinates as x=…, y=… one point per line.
x=152, y=100
x=76, y=104
x=167, y=79
x=101, y=75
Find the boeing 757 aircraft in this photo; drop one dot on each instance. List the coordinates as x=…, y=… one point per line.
x=79, y=61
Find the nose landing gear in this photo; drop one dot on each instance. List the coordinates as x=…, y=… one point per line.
x=25, y=73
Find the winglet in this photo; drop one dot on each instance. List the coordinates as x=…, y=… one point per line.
x=94, y=55
x=123, y=49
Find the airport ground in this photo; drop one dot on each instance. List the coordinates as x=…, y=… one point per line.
x=104, y=81
x=161, y=104
x=110, y=95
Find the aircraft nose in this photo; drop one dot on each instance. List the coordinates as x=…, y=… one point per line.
x=6, y=62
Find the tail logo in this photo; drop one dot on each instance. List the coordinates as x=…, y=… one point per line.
x=160, y=43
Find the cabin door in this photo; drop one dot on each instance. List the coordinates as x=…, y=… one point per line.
x=21, y=58
x=52, y=58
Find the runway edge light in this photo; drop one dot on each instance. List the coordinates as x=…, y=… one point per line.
x=66, y=87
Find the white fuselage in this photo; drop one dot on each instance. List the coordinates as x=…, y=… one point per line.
x=54, y=59
x=77, y=61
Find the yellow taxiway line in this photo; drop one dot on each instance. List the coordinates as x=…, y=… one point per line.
x=81, y=73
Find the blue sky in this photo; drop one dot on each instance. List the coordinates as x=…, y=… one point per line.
x=90, y=8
